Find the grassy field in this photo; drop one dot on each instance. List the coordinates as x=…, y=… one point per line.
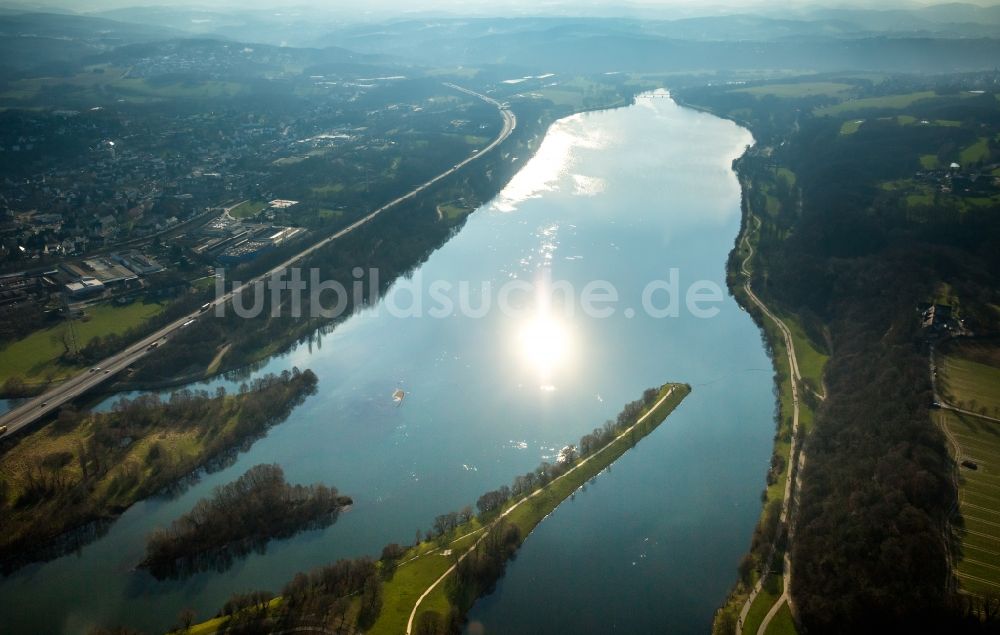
x=783, y=444
x=930, y=161
x=894, y=102
x=797, y=90
x=476, y=140
x=850, y=127
x=811, y=360
x=179, y=446
x=37, y=357
x=452, y=211
x=923, y=198
x=286, y=161
x=329, y=214
x=328, y=189
x=573, y=92
x=787, y=175
x=108, y=86
x=412, y=578
x=978, y=440
x=782, y=623
x=978, y=151
x=969, y=377
x=213, y=625
x=769, y=594
x=248, y=209
x=118, y=488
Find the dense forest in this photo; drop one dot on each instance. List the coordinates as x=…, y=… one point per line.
x=240, y=517
x=836, y=248
x=84, y=469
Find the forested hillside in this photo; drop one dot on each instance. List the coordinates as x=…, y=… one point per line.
x=896, y=212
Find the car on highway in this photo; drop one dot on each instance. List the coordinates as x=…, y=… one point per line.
x=3, y=429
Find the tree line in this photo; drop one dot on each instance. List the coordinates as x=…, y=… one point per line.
x=239, y=517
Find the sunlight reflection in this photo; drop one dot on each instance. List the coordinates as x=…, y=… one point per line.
x=544, y=344
x=545, y=341
x=551, y=163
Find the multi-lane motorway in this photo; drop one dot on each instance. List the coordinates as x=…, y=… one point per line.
x=38, y=407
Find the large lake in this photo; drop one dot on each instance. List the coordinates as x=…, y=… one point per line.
x=652, y=545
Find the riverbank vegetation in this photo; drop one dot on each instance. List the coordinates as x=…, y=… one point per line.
x=53, y=352
x=84, y=469
x=477, y=545
x=853, y=260
x=240, y=517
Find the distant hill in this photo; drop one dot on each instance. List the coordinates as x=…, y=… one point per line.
x=698, y=44
x=54, y=43
x=947, y=19
x=288, y=27
x=300, y=27
x=934, y=39
x=82, y=28
x=48, y=44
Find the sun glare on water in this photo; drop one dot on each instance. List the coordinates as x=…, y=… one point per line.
x=545, y=345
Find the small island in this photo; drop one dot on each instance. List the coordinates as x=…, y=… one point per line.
x=240, y=517
x=62, y=485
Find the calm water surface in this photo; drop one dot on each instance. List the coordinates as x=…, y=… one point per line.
x=650, y=546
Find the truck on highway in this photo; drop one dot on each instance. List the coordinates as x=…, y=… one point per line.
x=152, y=346
x=205, y=307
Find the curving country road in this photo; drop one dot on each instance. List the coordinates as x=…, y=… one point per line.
x=38, y=407
x=790, y=483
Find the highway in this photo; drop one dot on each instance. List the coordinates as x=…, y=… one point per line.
x=38, y=407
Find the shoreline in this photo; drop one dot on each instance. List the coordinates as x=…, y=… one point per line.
x=787, y=381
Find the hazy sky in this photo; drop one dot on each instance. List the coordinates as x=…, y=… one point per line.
x=463, y=6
